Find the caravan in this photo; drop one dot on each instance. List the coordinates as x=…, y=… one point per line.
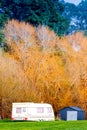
x=32, y=111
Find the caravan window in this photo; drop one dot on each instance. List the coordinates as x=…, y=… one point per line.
x=18, y=110
x=24, y=109
x=40, y=110
x=49, y=110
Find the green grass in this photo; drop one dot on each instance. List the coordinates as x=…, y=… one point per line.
x=55, y=125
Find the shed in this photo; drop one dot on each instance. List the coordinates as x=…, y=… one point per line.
x=72, y=113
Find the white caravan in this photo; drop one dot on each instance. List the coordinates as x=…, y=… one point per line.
x=32, y=111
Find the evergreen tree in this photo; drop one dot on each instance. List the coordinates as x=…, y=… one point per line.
x=47, y=12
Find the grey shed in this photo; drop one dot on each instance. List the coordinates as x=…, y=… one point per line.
x=71, y=113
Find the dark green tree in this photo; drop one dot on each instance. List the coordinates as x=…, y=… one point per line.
x=1, y=38
x=47, y=12
x=3, y=19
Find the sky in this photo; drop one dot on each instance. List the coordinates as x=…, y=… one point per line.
x=76, y=2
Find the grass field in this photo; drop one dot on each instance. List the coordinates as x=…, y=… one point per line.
x=55, y=125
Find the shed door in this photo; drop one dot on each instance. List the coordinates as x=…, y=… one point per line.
x=71, y=115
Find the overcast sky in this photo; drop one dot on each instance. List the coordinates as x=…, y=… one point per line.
x=76, y=2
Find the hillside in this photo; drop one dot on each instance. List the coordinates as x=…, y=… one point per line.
x=76, y=14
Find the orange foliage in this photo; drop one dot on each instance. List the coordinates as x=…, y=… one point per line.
x=40, y=66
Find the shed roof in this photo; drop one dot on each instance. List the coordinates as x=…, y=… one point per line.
x=76, y=108
x=73, y=107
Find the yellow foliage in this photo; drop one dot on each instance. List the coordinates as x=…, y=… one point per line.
x=40, y=66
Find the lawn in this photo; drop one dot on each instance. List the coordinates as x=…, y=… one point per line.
x=55, y=125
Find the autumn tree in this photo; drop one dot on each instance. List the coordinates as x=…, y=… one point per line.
x=53, y=69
